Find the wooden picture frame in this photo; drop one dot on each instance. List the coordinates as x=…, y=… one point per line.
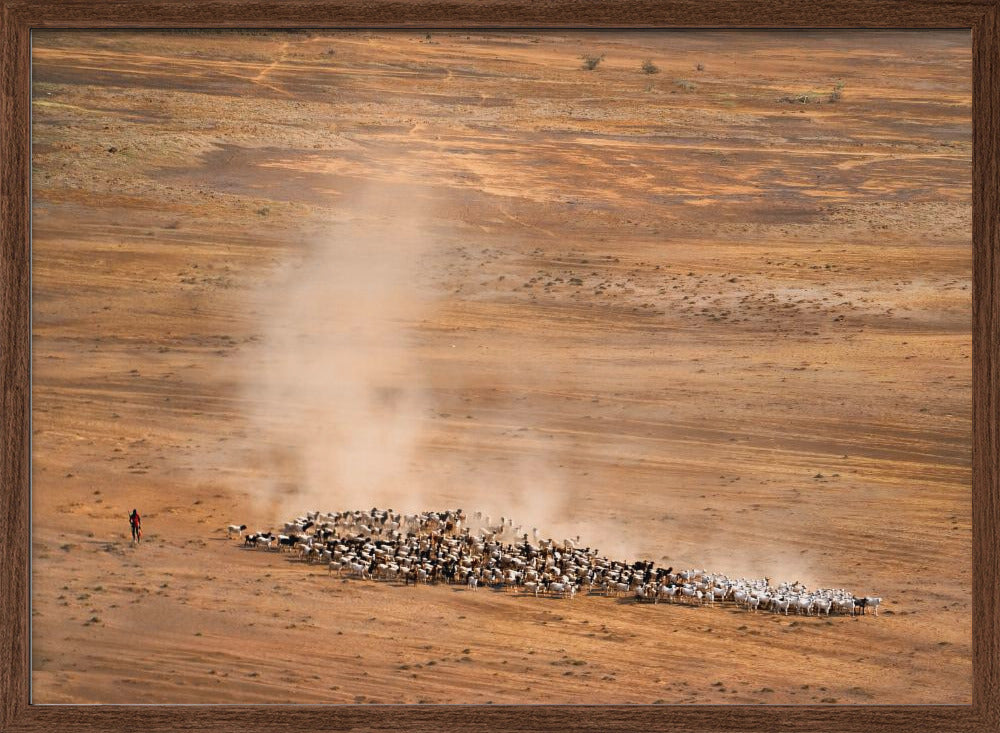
x=19, y=17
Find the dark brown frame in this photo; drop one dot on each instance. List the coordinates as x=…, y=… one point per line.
x=19, y=17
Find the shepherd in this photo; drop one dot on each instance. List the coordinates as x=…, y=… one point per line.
x=136, y=524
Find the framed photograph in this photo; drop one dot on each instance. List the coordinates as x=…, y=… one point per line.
x=499, y=365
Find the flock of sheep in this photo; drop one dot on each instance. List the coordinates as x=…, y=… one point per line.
x=449, y=547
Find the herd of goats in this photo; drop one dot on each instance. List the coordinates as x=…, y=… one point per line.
x=449, y=547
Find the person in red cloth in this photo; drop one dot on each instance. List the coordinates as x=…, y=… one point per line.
x=136, y=522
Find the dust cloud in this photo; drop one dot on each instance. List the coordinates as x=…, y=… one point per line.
x=342, y=385
x=333, y=391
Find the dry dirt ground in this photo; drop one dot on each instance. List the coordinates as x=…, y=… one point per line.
x=716, y=316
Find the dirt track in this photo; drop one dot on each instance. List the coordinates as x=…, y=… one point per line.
x=668, y=312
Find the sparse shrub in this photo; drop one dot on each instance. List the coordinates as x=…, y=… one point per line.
x=700, y=67
x=685, y=84
x=648, y=67
x=836, y=93
x=590, y=62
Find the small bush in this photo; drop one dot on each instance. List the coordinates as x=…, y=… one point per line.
x=687, y=86
x=590, y=62
x=648, y=67
x=836, y=93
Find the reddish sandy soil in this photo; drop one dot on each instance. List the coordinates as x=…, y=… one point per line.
x=669, y=312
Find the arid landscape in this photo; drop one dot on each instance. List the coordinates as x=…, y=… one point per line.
x=706, y=303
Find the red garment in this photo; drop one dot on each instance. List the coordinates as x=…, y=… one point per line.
x=135, y=519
